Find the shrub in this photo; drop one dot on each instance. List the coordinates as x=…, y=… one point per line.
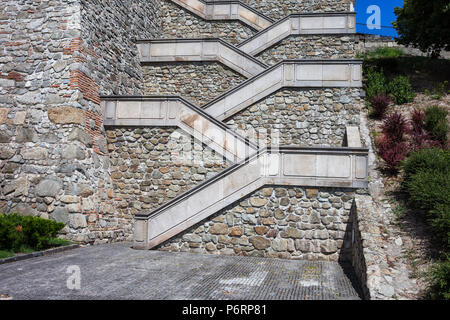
x=440, y=280
x=379, y=105
x=426, y=159
x=375, y=84
x=394, y=127
x=400, y=90
x=438, y=92
x=436, y=123
x=439, y=218
x=34, y=232
x=385, y=52
x=392, y=152
x=428, y=188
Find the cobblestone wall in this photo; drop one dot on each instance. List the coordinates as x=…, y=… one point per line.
x=276, y=222
x=278, y=9
x=302, y=117
x=56, y=59
x=150, y=166
x=198, y=82
x=180, y=23
x=311, y=47
x=109, y=30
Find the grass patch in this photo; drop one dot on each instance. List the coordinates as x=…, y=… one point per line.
x=6, y=254
x=384, y=52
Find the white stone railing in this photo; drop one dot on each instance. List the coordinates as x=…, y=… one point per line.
x=300, y=24
x=288, y=73
x=175, y=111
x=315, y=167
x=226, y=10
x=191, y=50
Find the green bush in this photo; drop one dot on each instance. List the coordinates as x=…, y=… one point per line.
x=385, y=52
x=375, y=84
x=439, y=218
x=426, y=159
x=427, y=184
x=436, y=123
x=428, y=188
x=440, y=281
x=400, y=90
x=17, y=231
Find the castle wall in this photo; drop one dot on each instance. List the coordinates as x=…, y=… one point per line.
x=150, y=166
x=58, y=58
x=278, y=9
x=180, y=23
x=311, y=47
x=304, y=117
x=198, y=82
x=276, y=222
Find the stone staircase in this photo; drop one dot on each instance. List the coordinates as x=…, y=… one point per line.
x=252, y=166
x=226, y=10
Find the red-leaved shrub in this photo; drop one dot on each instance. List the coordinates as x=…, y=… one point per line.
x=394, y=127
x=420, y=138
x=392, y=152
x=379, y=105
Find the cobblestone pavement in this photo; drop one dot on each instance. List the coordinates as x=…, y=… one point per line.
x=116, y=271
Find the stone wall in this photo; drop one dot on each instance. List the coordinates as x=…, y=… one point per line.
x=178, y=22
x=311, y=47
x=358, y=259
x=56, y=59
x=276, y=222
x=278, y=9
x=198, y=82
x=304, y=117
x=109, y=30
x=150, y=166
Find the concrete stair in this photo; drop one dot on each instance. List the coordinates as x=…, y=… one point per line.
x=194, y=50
x=288, y=73
x=175, y=111
x=226, y=10
x=300, y=24
x=252, y=167
x=315, y=167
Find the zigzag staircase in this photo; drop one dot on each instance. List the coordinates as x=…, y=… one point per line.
x=253, y=167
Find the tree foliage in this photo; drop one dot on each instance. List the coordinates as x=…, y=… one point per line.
x=424, y=25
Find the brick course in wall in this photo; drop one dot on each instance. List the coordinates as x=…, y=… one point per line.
x=58, y=58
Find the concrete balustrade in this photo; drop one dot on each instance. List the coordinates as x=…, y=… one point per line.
x=226, y=10
x=313, y=167
x=191, y=50
x=300, y=24
x=289, y=73
x=175, y=111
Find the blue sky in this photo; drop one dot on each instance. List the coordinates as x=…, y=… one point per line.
x=367, y=20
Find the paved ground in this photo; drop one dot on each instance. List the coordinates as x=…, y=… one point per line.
x=115, y=271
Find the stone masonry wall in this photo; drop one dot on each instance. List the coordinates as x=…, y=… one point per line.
x=311, y=47
x=177, y=22
x=304, y=117
x=150, y=166
x=278, y=9
x=109, y=30
x=276, y=222
x=54, y=64
x=198, y=82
